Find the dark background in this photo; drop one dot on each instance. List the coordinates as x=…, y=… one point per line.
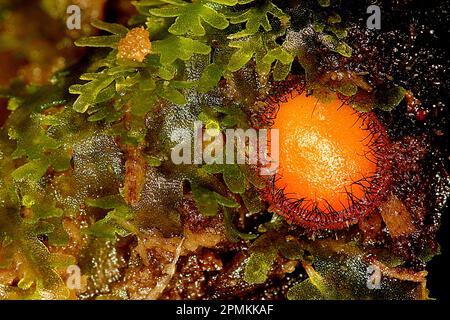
x=438, y=267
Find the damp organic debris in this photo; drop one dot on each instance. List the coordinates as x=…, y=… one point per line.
x=92, y=205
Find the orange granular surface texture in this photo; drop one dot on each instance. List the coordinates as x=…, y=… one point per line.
x=323, y=151
x=135, y=46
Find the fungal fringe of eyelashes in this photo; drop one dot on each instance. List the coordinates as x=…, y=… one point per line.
x=362, y=194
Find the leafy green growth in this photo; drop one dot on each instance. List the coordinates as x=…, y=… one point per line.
x=165, y=63
x=338, y=46
x=258, y=266
x=347, y=89
x=233, y=176
x=264, y=252
x=331, y=29
x=117, y=222
x=191, y=15
x=304, y=290
x=99, y=41
x=208, y=202
x=232, y=233
x=177, y=47
x=324, y=3
x=390, y=99
x=231, y=117
x=31, y=171
x=386, y=100
x=22, y=189
x=264, y=49
x=252, y=201
x=113, y=28
x=257, y=17
x=210, y=77
x=95, y=91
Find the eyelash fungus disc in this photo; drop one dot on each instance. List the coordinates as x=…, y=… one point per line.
x=333, y=169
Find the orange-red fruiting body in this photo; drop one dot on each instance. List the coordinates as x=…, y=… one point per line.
x=332, y=164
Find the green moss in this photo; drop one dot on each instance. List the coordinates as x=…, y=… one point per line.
x=190, y=16
x=258, y=267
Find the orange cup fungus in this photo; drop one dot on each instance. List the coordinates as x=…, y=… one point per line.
x=332, y=169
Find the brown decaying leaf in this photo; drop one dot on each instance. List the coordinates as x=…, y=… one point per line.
x=397, y=217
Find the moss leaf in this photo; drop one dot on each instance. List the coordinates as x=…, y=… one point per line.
x=390, y=99
x=205, y=199
x=234, y=178
x=258, y=266
x=255, y=18
x=176, y=47
x=113, y=28
x=99, y=41
x=233, y=234
x=190, y=17
x=210, y=77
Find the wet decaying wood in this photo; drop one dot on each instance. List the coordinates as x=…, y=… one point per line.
x=135, y=169
x=397, y=218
